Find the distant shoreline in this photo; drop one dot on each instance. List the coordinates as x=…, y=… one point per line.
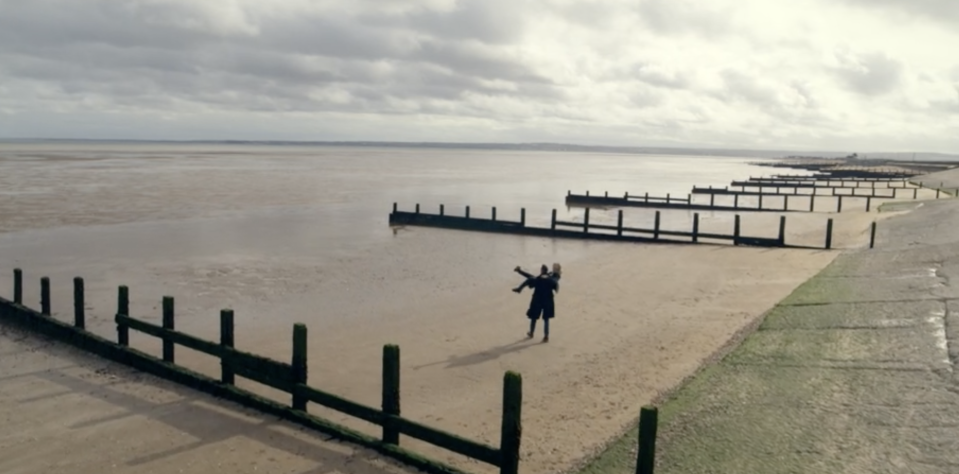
x=553, y=147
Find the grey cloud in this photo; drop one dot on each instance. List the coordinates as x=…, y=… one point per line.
x=684, y=16
x=870, y=74
x=939, y=10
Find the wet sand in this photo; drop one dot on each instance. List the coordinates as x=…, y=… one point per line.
x=632, y=320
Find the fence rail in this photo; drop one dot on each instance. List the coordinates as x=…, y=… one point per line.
x=287, y=377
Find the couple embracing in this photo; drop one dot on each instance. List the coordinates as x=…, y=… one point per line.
x=541, y=304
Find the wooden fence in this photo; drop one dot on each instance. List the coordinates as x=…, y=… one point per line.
x=581, y=230
x=289, y=377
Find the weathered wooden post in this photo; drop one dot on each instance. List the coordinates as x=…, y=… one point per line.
x=695, y=227
x=511, y=426
x=839, y=204
x=937, y=192
x=442, y=210
x=872, y=235
x=646, y=197
x=786, y=202
x=760, y=200
x=391, y=392
x=736, y=201
x=45, y=296
x=494, y=214
x=736, y=230
x=417, y=208
x=915, y=192
x=829, y=234
x=394, y=208
x=79, y=315
x=587, y=193
x=467, y=212
x=689, y=200
x=656, y=227
x=619, y=223
x=299, y=365
x=782, y=231
x=586, y=221
x=712, y=199
x=646, y=449
x=522, y=217
x=868, y=204
x=18, y=286
x=667, y=198
x=606, y=194
x=552, y=224
x=123, y=307
x=226, y=340
x=812, y=202
x=168, y=324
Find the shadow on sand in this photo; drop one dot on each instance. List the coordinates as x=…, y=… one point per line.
x=485, y=355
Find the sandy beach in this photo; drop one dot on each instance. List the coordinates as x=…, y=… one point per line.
x=632, y=320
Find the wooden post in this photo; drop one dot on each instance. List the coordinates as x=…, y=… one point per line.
x=17, y=286
x=839, y=204
x=829, y=234
x=511, y=425
x=656, y=227
x=442, y=210
x=299, y=365
x=646, y=449
x=667, y=198
x=872, y=235
x=736, y=231
x=712, y=200
x=868, y=204
x=467, y=212
x=689, y=199
x=391, y=392
x=123, y=307
x=915, y=192
x=522, y=217
x=168, y=323
x=812, y=202
x=782, y=230
x=45, y=296
x=606, y=194
x=552, y=225
x=394, y=208
x=937, y=193
x=587, y=193
x=79, y=315
x=226, y=340
x=646, y=197
x=736, y=201
x=695, y=227
x=619, y=223
x=760, y=200
x=494, y=214
x=586, y=221
x=786, y=202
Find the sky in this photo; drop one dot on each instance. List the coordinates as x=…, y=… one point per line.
x=848, y=75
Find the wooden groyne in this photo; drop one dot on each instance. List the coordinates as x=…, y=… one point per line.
x=578, y=200
x=591, y=231
x=783, y=190
x=763, y=205
x=826, y=177
x=290, y=377
x=822, y=183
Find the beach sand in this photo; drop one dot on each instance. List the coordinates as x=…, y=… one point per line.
x=632, y=320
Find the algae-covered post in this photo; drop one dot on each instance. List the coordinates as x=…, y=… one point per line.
x=872, y=235
x=782, y=230
x=17, y=286
x=646, y=446
x=168, y=324
x=299, y=365
x=736, y=230
x=79, y=317
x=695, y=235
x=45, y=296
x=656, y=227
x=829, y=234
x=391, y=392
x=226, y=340
x=511, y=428
x=123, y=307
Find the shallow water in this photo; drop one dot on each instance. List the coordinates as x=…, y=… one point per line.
x=298, y=232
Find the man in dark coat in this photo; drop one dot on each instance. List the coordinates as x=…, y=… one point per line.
x=541, y=303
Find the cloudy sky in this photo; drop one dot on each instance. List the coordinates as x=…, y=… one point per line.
x=804, y=74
